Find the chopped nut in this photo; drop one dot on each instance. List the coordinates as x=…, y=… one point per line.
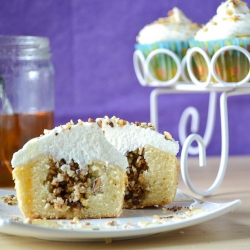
x=46, y=131
x=111, y=223
x=229, y=12
x=168, y=136
x=135, y=188
x=143, y=223
x=15, y=218
x=91, y=120
x=80, y=122
x=27, y=221
x=9, y=199
x=47, y=205
x=76, y=220
x=121, y=123
x=97, y=186
x=84, y=202
x=99, y=122
x=61, y=207
x=68, y=126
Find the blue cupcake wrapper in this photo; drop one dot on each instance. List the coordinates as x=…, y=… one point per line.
x=178, y=47
x=211, y=47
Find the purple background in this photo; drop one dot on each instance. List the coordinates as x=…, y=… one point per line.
x=92, y=44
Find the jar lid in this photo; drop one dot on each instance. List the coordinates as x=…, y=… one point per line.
x=27, y=47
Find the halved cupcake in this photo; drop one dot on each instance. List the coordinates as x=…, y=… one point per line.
x=153, y=166
x=70, y=171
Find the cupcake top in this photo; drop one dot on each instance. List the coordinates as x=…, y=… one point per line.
x=175, y=27
x=126, y=136
x=83, y=142
x=232, y=20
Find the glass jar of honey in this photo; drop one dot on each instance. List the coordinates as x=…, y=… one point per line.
x=26, y=95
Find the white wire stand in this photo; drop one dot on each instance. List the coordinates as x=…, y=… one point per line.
x=174, y=86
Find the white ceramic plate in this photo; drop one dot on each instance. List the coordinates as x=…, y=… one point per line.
x=185, y=211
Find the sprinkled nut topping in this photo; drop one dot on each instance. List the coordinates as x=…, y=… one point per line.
x=168, y=136
x=121, y=122
x=9, y=199
x=91, y=120
x=46, y=131
x=99, y=122
x=68, y=126
x=235, y=2
x=80, y=122
x=27, y=221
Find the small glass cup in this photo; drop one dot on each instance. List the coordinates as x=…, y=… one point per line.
x=26, y=95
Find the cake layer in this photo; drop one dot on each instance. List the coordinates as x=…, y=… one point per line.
x=153, y=167
x=48, y=189
x=70, y=171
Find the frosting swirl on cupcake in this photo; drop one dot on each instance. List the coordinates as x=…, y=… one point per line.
x=175, y=27
x=232, y=20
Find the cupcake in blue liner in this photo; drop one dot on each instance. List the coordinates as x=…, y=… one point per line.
x=230, y=26
x=172, y=33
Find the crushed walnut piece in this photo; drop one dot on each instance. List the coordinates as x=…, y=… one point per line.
x=99, y=122
x=68, y=126
x=46, y=131
x=9, y=199
x=16, y=219
x=27, y=221
x=135, y=189
x=111, y=223
x=80, y=122
x=121, y=123
x=168, y=136
x=97, y=186
x=235, y=2
x=91, y=120
x=69, y=186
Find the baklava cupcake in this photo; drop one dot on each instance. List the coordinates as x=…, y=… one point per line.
x=230, y=26
x=172, y=33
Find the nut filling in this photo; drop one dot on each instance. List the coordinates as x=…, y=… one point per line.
x=135, y=189
x=69, y=186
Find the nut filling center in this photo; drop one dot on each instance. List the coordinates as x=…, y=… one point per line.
x=135, y=189
x=69, y=185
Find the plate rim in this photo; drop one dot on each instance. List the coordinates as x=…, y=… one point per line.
x=8, y=226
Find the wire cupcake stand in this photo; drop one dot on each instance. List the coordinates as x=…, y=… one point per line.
x=192, y=85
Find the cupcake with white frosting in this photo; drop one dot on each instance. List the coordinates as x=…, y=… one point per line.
x=230, y=26
x=173, y=33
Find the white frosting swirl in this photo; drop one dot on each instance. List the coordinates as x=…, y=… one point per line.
x=129, y=137
x=232, y=20
x=83, y=142
x=175, y=27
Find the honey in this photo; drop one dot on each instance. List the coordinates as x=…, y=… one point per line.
x=15, y=131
